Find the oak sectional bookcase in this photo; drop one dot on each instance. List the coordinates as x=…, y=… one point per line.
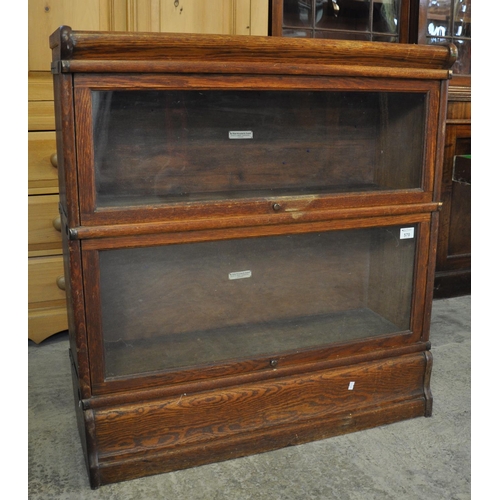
x=249, y=233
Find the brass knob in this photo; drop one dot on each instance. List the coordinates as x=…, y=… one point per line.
x=57, y=223
x=53, y=160
x=61, y=283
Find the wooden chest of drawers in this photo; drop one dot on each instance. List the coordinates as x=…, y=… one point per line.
x=46, y=298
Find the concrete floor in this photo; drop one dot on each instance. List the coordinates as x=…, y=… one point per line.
x=423, y=458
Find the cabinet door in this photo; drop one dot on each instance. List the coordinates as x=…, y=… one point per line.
x=243, y=301
x=44, y=225
x=45, y=17
x=171, y=147
x=236, y=17
x=231, y=17
x=42, y=163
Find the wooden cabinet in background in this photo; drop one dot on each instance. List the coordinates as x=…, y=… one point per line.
x=453, y=263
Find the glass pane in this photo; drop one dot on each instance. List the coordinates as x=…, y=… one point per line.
x=386, y=16
x=297, y=13
x=343, y=14
x=196, y=304
x=439, y=18
x=297, y=33
x=453, y=21
x=327, y=14
x=342, y=35
x=387, y=39
x=462, y=18
x=171, y=146
x=462, y=65
x=434, y=40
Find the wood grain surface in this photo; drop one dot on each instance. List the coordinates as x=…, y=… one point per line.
x=326, y=331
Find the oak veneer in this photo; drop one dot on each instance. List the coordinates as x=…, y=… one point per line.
x=249, y=232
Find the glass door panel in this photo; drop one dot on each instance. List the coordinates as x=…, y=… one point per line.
x=174, y=146
x=197, y=304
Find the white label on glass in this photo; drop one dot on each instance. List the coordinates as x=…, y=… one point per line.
x=406, y=233
x=238, y=275
x=240, y=134
x=351, y=386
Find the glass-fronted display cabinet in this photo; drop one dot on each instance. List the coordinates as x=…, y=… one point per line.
x=249, y=233
x=396, y=21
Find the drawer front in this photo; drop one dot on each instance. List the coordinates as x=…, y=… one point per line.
x=326, y=403
x=41, y=115
x=44, y=322
x=40, y=86
x=44, y=225
x=46, y=282
x=42, y=163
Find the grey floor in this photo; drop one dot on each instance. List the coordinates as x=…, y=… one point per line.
x=423, y=458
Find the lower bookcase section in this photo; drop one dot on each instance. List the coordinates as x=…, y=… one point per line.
x=191, y=305
x=142, y=438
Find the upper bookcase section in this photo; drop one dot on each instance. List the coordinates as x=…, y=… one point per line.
x=93, y=51
x=194, y=126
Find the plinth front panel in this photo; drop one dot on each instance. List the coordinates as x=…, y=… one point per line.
x=193, y=429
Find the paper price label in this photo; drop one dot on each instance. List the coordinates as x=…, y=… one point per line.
x=406, y=233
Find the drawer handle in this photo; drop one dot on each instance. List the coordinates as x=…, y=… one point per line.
x=61, y=283
x=57, y=223
x=53, y=160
